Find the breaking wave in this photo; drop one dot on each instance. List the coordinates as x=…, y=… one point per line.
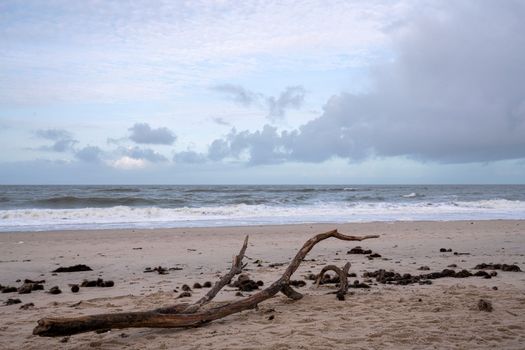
x=125, y=216
x=72, y=201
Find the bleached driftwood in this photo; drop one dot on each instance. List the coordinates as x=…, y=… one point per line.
x=191, y=315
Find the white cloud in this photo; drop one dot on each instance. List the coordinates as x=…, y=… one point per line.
x=128, y=163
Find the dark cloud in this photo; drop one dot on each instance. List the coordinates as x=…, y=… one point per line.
x=291, y=98
x=144, y=153
x=454, y=93
x=63, y=140
x=142, y=133
x=90, y=154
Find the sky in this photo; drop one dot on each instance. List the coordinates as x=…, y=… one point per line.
x=262, y=92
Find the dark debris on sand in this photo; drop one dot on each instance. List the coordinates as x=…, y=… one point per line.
x=327, y=278
x=12, y=302
x=359, y=250
x=391, y=277
x=245, y=284
x=184, y=295
x=502, y=267
x=74, y=268
x=162, y=270
x=54, y=290
x=99, y=282
x=485, y=305
x=159, y=269
x=297, y=283
x=27, y=306
x=8, y=289
x=27, y=288
x=358, y=284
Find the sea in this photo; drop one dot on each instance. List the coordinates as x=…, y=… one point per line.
x=42, y=208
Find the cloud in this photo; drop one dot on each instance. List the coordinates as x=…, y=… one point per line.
x=221, y=121
x=142, y=133
x=238, y=94
x=145, y=154
x=266, y=146
x=63, y=140
x=219, y=149
x=190, y=157
x=291, y=98
x=453, y=94
x=61, y=146
x=90, y=154
x=127, y=158
x=128, y=163
x=53, y=134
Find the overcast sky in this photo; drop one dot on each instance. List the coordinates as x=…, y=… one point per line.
x=262, y=91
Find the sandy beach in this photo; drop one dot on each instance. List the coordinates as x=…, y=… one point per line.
x=443, y=315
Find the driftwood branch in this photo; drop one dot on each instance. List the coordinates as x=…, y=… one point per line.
x=237, y=267
x=184, y=315
x=226, y=279
x=343, y=278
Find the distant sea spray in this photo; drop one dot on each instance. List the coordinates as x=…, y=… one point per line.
x=37, y=208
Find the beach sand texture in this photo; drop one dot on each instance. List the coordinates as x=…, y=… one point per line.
x=443, y=315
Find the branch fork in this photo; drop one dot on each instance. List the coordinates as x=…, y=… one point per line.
x=192, y=315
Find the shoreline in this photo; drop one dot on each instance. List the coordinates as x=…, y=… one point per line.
x=193, y=228
x=443, y=314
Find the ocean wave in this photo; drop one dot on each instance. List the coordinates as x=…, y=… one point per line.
x=243, y=214
x=119, y=190
x=365, y=199
x=79, y=202
x=249, y=201
x=284, y=189
x=495, y=204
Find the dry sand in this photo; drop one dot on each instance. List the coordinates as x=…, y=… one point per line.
x=443, y=315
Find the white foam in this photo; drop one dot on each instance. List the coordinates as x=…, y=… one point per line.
x=412, y=195
x=242, y=214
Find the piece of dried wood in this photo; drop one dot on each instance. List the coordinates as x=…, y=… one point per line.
x=188, y=315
